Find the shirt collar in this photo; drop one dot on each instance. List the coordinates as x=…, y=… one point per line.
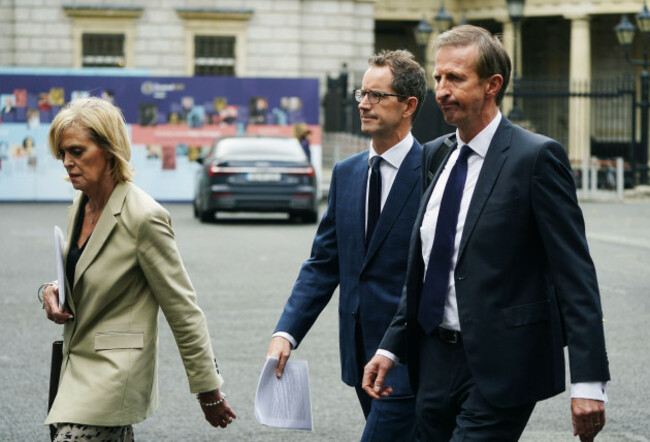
x=396, y=154
x=482, y=140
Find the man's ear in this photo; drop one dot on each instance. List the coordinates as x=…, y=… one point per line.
x=411, y=104
x=493, y=85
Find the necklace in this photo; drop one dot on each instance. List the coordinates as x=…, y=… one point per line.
x=96, y=213
x=93, y=215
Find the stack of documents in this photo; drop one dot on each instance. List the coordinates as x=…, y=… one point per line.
x=59, y=250
x=284, y=402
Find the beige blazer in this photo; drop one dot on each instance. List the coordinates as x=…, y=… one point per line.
x=129, y=268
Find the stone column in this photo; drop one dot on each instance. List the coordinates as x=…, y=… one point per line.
x=429, y=62
x=579, y=78
x=430, y=58
x=509, y=44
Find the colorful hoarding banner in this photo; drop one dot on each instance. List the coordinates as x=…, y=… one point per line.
x=171, y=121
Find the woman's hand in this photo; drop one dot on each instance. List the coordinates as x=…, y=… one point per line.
x=53, y=311
x=216, y=408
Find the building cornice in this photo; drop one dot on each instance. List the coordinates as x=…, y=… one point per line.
x=476, y=10
x=214, y=14
x=94, y=11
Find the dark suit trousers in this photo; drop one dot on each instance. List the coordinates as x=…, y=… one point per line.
x=388, y=419
x=450, y=407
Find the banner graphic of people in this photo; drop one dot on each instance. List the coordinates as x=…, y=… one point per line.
x=172, y=121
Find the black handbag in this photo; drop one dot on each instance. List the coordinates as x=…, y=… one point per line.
x=55, y=372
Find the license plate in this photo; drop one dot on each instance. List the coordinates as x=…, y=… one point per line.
x=264, y=177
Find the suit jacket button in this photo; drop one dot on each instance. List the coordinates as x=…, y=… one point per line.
x=460, y=278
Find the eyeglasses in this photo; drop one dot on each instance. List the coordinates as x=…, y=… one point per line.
x=374, y=97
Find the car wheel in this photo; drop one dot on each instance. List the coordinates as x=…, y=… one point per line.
x=307, y=217
x=207, y=216
x=310, y=217
x=195, y=209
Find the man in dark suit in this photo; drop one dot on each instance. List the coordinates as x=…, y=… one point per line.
x=362, y=241
x=492, y=297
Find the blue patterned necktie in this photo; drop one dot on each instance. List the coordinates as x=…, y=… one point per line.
x=436, y=280
x=374, y=198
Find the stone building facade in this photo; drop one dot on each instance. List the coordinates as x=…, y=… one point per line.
x=571, y=41
x=257, y=38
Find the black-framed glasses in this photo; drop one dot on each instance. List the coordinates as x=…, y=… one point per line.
x=374, y=97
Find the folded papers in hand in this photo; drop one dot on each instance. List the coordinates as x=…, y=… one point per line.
x=284, y=402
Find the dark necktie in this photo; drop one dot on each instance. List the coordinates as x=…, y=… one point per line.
x=436, y=280
x=374, y=198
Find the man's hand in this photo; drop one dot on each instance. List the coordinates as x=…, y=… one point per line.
x=280, y=348
x=374, y=375
x=588, y=418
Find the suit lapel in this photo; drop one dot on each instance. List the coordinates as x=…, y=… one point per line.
x=358, y=187
x=416, y=264
x=73, y=215
x=405, y=180
x=429, y=190
x=103, y=229
x=494, y=161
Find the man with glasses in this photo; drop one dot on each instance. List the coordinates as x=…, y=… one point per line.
x=362, y=242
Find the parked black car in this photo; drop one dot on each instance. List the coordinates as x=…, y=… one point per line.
x=256, y=174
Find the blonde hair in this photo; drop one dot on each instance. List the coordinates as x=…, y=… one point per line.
x=105, y=126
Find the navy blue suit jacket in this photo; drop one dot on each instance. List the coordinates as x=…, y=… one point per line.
x=525, y=283
x=370, y=282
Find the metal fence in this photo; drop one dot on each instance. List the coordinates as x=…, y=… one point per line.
x=340, y=145
x=610, y=125
x=606, y=108
x=610, y=103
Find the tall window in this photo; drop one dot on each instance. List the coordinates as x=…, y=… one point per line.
x=215, y=40
x=103, y=36
x=214, y=55
x=103, y=50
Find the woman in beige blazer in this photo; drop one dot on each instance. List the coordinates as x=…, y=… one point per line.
x=122, y=265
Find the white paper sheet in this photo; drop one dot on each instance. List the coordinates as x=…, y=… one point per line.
x=284, y=402
x=59, y=250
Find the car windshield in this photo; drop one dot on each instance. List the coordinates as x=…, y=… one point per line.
x=270, y=149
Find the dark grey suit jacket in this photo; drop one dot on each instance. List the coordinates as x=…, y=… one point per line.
x=525, y=282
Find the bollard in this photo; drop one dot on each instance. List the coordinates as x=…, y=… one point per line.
x=594, y=174
x=620, y=183
x=585, y=175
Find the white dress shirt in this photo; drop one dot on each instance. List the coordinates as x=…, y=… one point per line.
x=392, y=160
x=479, y=146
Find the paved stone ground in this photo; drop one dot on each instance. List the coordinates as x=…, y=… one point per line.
x=243, y=270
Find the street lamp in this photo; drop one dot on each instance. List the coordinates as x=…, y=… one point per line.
x=443, y=20
x=625, y=34
x=424, y=30
x=516, y=13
